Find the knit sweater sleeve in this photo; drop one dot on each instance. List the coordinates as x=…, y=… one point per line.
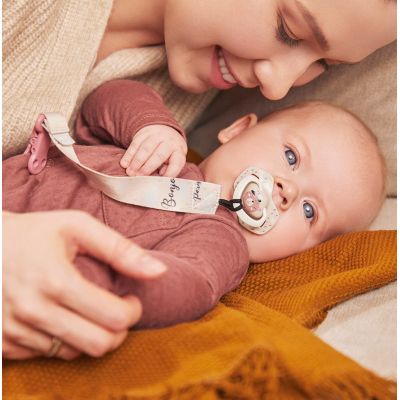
x=117, y=110
x=206, y=259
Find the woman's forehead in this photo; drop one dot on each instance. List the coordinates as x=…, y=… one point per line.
x=348, y=30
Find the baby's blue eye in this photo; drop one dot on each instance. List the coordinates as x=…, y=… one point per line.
x=291, y=157
x=308, y=211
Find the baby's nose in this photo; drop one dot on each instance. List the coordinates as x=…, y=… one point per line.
x=286, y=193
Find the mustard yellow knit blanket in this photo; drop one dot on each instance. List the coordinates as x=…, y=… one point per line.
x=255, y=344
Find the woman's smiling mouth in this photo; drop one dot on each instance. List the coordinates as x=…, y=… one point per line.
x=223, y=68
x=220, y=76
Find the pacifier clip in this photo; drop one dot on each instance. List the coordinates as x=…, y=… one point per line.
x=163, y=193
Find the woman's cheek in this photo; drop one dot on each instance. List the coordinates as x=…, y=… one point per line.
x=311, y=73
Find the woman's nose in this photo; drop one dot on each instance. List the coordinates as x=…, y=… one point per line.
x=287, y=192
x=276, y=76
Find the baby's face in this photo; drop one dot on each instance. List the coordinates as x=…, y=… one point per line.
x=316, y=169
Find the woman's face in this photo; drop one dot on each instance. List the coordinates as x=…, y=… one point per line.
x=274, y=44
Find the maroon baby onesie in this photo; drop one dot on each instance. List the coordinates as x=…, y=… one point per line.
x=206, y=255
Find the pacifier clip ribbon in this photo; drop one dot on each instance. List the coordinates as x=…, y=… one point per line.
x=252, y=197
x=163, y=193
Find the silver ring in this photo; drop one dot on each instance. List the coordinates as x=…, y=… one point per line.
x=57, y=343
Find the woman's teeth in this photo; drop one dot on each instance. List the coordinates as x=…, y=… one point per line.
x=224, y=70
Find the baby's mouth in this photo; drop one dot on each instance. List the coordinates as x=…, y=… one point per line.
x=226, y=75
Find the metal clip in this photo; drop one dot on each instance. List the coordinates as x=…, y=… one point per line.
x=38, y=146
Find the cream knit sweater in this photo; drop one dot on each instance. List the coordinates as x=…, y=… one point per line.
x=48, y=51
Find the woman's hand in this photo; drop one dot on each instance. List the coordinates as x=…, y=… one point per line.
x=44, y=296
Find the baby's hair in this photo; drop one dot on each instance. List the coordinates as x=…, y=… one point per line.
x=363, y=132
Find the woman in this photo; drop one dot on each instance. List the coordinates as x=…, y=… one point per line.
x=270, y=44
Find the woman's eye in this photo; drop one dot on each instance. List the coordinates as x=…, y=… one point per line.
x=283, y=36
x=291, y=158
x=308, y=211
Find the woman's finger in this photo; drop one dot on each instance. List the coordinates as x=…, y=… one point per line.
x=74, y=331
x=25, y=341
x=14, y=351
x=65, y=352
x=99, y=306
x=108, y=246
x=26, y=324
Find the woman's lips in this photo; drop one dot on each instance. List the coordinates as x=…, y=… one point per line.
x=228, y=77
x=220, y=76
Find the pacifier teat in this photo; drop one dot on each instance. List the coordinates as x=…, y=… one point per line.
x=252, y=201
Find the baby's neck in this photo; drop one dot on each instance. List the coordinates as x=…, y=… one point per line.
x=213, y=176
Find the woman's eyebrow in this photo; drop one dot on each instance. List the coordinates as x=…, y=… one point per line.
x=313, y=25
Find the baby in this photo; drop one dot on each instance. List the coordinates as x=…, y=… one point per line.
x=329, y=178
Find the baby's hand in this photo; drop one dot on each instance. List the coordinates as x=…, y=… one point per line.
x=154, y=146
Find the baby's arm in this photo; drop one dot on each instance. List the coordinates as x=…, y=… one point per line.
x=205, y=259
x=133, y=116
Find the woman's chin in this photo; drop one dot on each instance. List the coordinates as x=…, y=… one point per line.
x=193, y=87
x=189, y=83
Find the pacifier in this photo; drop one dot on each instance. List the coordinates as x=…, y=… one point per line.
x=256, y=210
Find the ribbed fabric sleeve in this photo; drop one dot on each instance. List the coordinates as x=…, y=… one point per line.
x=115, y=111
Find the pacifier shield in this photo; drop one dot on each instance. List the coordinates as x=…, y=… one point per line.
x=254, y=187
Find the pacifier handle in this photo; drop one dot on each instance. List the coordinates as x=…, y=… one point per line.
x=229, y=204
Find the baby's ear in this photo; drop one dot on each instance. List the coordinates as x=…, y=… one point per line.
x=237, y=127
